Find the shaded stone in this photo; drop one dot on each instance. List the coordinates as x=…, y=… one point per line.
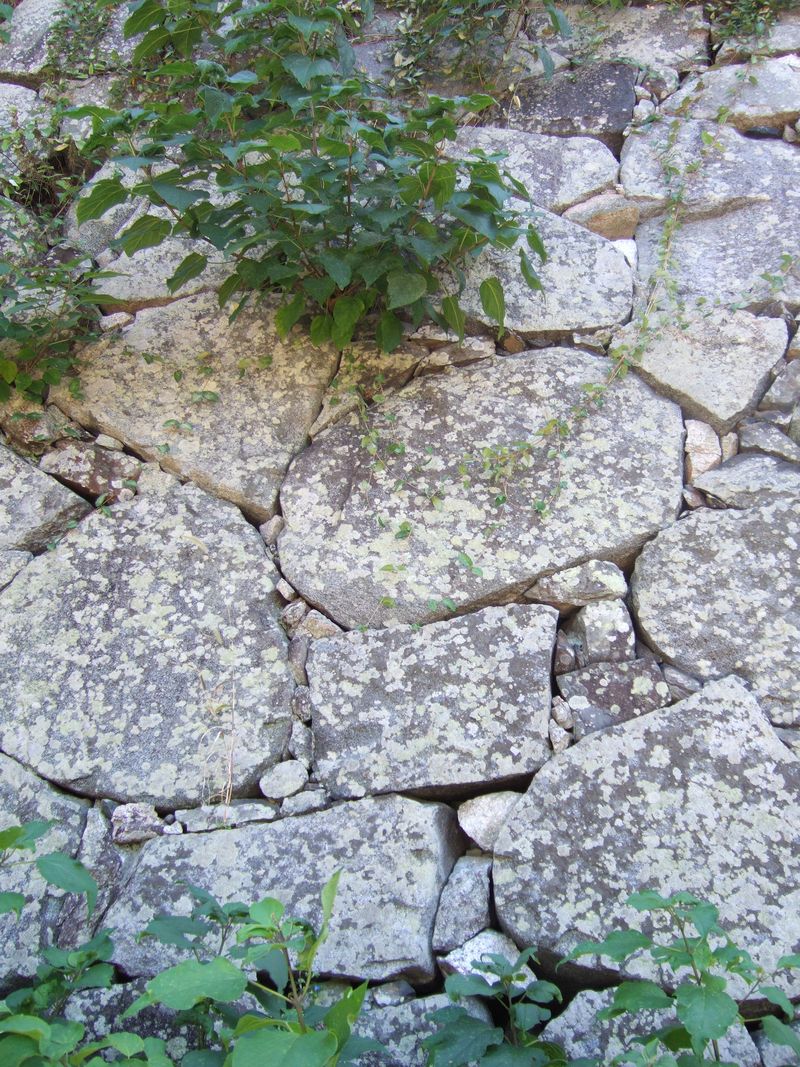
x=748, y=480
x=315, y=626
x=90, y=470
x=586, y=282
x=557, y=172
x=602, y=632
x=482, y=817
x=703, y=449
x=34, y=509
x=221, y=816
x=680, y=683
x=32, y=428
x=768, y=96
x=284, y=779
x=729, y=445
x=580, y=1033
x=561, y=713
x=779, y=38
x=596, y=100
x=144, y=656
x=463, y=355
x=237, y=446
x=464, y=908
x=403, y=1027
x=622, y=690
x=776, y=1055
x=395, y=856
x=717, y=592
x=743, y=258
x=609, y=215
x=24, y=55
x=19, y=231
x=784, y=393
x=23, y=798
x=304, y=803
x=565, y=657
x=11, y=563
x=301, y=742
x=699, y=797
x=453, y=705
x=560, y=739
x=734, y=170
x=376, y=546
x=133, y=824
x=716, y=366
x=574, y=588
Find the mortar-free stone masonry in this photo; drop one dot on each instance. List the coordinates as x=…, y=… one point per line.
x=269, y=658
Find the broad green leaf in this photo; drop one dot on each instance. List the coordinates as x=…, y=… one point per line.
x=304, y=69
x=792, y=961
x=528, y=273
x=493, y=300
x=176, y=196
x=280, y=1049
x=777, y=996
x=319, y=288
x=288, y=315
x=706, y=1013
x=705, y=917
x=145, y=15
x=269, y=911
x=216, y=103
x=173, y=930
x=404, y=287
x=536, y=244
x=16, y=1050
x=346, y=313
x=145, y=232
x=105, y=194
x=193, y=265
x=156, y=40
x=618, y=946
x=25, y=836
x=126, y=1043
x=186, y=984
x=336, y=267
x=389, y=332
x=320, y=330
x=11, y=902
x=454, y=316
x=339, y=1018
x=26, y=1026
x=68, y=874
x=461, y=1039
x=639, y=996
x=781, y=1034
x=648, y=900
x=204, y=1058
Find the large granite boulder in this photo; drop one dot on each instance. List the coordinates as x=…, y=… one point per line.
x=225, y=404
x=586, y=282
x=24, y=56
x=717, y=592
x=716, y=365
x=557, y=172
x=22, y=112
x=395, y=856
x=455, y=705
x=143, y=656
x=700, y=796
x=35, y=509
x=24, y=798
x=427, y=530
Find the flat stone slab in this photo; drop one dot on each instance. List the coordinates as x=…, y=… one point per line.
x=700, y=797
x=238, y=445
x=11, y=563
x=578, y=586
x=745, y=481
x=586, y=281
x=734, y=170
x=716, y=365
x=24, y=55
x=557, y=172
x=623, y=690
x=375, y=546
x=454, y=705
x=723, y=260
x=596, y=100
x=464, y=906
x=717, y=593
x=768, y=94
x=395, y=856
x=140, y=280
x=35, y=509
x=144, y=657
x=23, y=798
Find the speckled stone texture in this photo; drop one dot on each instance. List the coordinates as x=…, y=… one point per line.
x=717, y=593
x=340, y=547
x=238, y=446
x=587, y=282
x=700, y=796
x=457, y=704
x=143, y=655
x=395, y=855
x=746, y=481
x=624, y=690
x=578, y=586
x=25, y=53
x=716, y=366
x=24, y=797
x=34, y=509
x=557, y=172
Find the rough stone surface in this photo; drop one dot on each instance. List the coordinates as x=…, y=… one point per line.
x=757, y=436
x=145, y=656
x=222, y=816
x=462, y=960
x=716, y=366
x=717, y=592
x=701, y=797
x=586, y=282
x=238, y=446
x=776, y=1055
x=11, y=563
x=609, y=215
x=784, y=393
x=284, y=779
x=89, y=470
x=482, y=817
x=557, y=172
x=782, y=37
x=453, y=705
x=745, y=481
x=140, y=280
x=133, y=824
x=464, y=904
x=24, y=797
x=703, y=449
x=581, y=1033
x=343, y=516
x=34, y=509
x=25, y=53
x=621, y=690
x=32, y=428
x=595, y=100
x=395, y=855
x=402, y=1028
x=768, y=96
x=304, y=803
x=602, y=632
x=578, y=586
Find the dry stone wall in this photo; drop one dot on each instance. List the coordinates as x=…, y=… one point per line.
x=270, y=654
